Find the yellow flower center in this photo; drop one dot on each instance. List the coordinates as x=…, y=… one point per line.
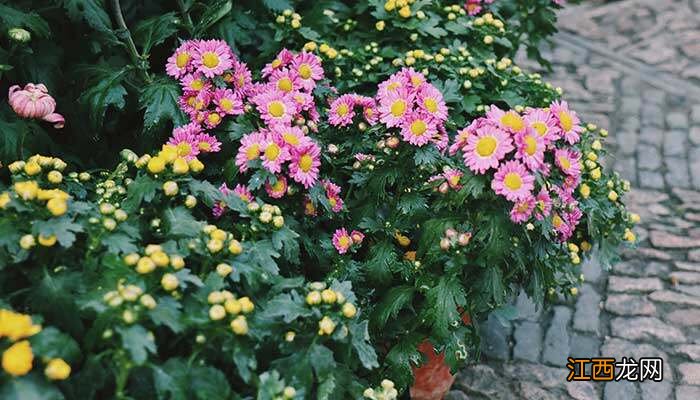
x=253, y=151
x=565, y=163
x=241, y=80
x=305, y=162
x=540, y=127
x=486, y=146
x=290, y=138
x=332, y=201
x=344, y=241
x=182, y=59
x=285, y=85
x=557, y=221
x=204, y=146
x=393, y=86
x=513, y=181
x=369, y=112
x=430, y=104
x=342, y=110
x=272, y=152
x=416, y=80
x=305, y=71
x=191, y=100
x=522, y=207
x=513, y=121
x=276, y=63
x=276, y=108
x=278, y=186
x=530, y=145
x=210, y=59
x=565, y=120
x=226, y=104
x=214, y=118
x=398, y=108
x=197, y=84
x=454, y=180
x=183, y=149
x=418, y=127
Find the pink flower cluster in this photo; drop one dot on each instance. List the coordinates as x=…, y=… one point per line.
x=342, y=109
x=191, y=140
x=240, y=190
x=343, y=241
x=284, y=101
x=518, y=147
x=34, y=101
x=474, y=7
x=213, y=80
x=449, y=179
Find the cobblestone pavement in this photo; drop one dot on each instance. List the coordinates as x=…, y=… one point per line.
x=632, y=66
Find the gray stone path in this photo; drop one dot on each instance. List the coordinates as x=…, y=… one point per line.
x=632, y=66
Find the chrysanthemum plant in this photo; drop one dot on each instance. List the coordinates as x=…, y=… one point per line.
x=314, y=220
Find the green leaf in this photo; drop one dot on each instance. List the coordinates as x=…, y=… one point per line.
x=30, y=387
x=396, y=299
x=278, y=5
x=159, y=100
x=470, y=102
x=63, y=227
x=170, y=380
x=442, y=301
x=363, y=347
x=143, y=188
x=213, y=13
x=411, y=203
x=120, y=243
x=288, y=306
x=208, y=192
x=179, y=222
x=14, y=18
x=326, y=388
x=209, y=383
x=154, y=31
x=93, y=12
x=52, y=343
x=450, y=90
x=108, y=91
x=308, y=33
x=167, y=313
x=136, y=341
x=285, y=239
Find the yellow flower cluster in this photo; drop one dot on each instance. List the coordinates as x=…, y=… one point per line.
x=173, y=156
x=225, y=303
x=153, y=257
x=402, y=7
x=18, y=358
x=290, y=16
x=320, y=295
x=386, y=391
x=219, y=238
x=488, y=19
x=267, y=213
x=28, y=190
x=453, y=11
x=132, y=297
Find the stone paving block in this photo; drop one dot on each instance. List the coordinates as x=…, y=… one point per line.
x=527, y=309
x=651, y=135
x=628, y=305
x=648, y=157
x=645, y=328
x=675, y=142
x=684, y=317
x=483, y=380
x=687, y=392
x=556, y=342
x=695, y=114
x=694, y=255
x=528, y=341
x=694, y=135
x=667, y=240
x=688, y=266
x=690, y=373
x=547, y=377
x=667, y=296
x=456, y=395
x=677, y=172
x=584, y=345
x=581, y=390
x=656, y=390
x=495, y=339
x=685, y=277
x=677, y=120
x=651, y=179
x=626, y=284
x=592, y=270
x=691, y=351
x=586, y=316
x=622, y=390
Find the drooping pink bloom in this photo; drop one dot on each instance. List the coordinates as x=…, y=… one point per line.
x=243, y=193
x=278, y=189
x=180, y=63
x=308, y=68
x=342, y=112
x=342, y=241
x=473, y=7
x=522, y=210
x=357, y=236
x=509, y=121
x=220, y=206
x=33, y=101
x=486, y=148
x=304, y=166
x=418, y=129
x=333, y=195
x=453, y=176
x=513, y=181
x=567, y=122
x=309, y=208
x=212, y=57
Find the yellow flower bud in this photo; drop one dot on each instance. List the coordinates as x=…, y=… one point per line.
x=190, y=201
x=310, y=46
x=215, y=297
x=218, y=234
x=55, y=177
x=47, y=241
x=313, y=298
x=488, y=39
x=128, y=316
x=26, y=190
x=296, y=24
x=326, y=326
x=585, y=191
x=17, y=359
x=289, y=392
x=635, y=218
x=177, y=262
x=235, y=247
x=232, y=306
x=156, y=165
x=57, y=370
x=247, y=306
x=170, y=188
x=145, y=265
x=585, y=246
x=596, y=174
x=596, y=145
x=4, y=200
x=239, y=325
x=109, y=224
x=160, y=259
x=180, y=166
x=27, y=242
x=612, y=196
x=349, y=310
x=32, y=168
x=148, y=301
x=152, y=248
x=224, y=270
x=278, y=221
x=169, y=282
x=131, y=259
x=215, y=245
x=405, y=12
x=289, y=336
x=328, y=296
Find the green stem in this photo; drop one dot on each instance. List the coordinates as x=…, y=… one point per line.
x=136, y=58
x=186, y=15
x=122, y=377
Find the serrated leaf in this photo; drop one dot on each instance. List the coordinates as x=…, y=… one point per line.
x=52, y=343
x=308, y=33
x=179, y=222
x=288, y=306
x=30, y=387
x=443, y=300
x=15, y=18
x=63, y=228
x=120, y=243
x=136, y=341
x=209, y=383
x=143, y=188
x=93, y=12
x=167, y=312
x=278, y=5
x=107, y=92
x=153, y=31
x=396, y=299
x=160, y=102
x=363, y=347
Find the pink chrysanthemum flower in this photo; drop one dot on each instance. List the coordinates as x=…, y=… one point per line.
x=227, y=102
x=207, y=143
x=542, y=121
x=509, y=121
x=567, y=121
x=395, y=82
x=308, y=68
x=569, y=161
x=285, y=80
x=522, y=210
x=394, y=108
x=341, y=112
x=369, y=108
x=357, y=236
x=418, y=129
x=243, y=193
x=364, y=157
x=275, y=107
x=565, y=195
x=220, y=206
x=453, y=176
x=305, y=163
x=180, y=63
x=278, y=189
x=282, y=60
x=184, y=138
x=290, y=136
x=274, y=153
x=486, y=148
x=309, y=208
x=194, y=83
x=530, y=149
x=415, y=78
x=562, y=228
x=34, y=101
x=513, y=181
x=249, y=150
x=573, y=217
x=342, y=240
x=473, y=7
x=430, y=100
x=333, y=195
x=211, y=119
x=240, y=77
x=460, y=141
x=212, y=57
x=543, y=203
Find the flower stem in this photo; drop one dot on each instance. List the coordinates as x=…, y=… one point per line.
x=136, y=58
x=186, y=15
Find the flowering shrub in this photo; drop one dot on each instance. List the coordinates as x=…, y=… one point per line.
x=317, y=214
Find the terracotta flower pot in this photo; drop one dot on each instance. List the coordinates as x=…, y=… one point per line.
x=433, y=379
